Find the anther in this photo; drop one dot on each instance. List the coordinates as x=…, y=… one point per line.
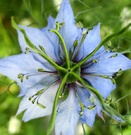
x=75, y=44
x=81, y=113
x=119, y=73
x=40, y=70
x=40, y=105
x=21, y=77
x=27, y=50
x=113, y=56
x=62, y=95
x=42, y=48
x=95, y=61
x=91, y=107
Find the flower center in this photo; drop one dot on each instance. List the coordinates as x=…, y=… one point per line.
x=71, y=78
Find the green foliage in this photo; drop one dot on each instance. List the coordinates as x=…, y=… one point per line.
x=111, y=14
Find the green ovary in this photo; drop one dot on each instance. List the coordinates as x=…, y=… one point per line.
x=71, y=78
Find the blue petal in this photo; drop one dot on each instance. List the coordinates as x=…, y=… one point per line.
x=52, y=37
x=104, y=86
x=84, y=95
x=69, y=31
x=23, y=64
x=109, y=63
x=91, y=41
x=67, y=116
x=37, y=37
x=51, y=21
x=88, y=116
x=34, y=110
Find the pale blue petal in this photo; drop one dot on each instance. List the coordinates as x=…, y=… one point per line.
x=23, y=64
x=37, y=37
x=33, y=110
x=104, y=86
x=88, y=116
x=69, y=30
x=52, y=37
x=76, y=55
x=67, y=115
x=84, y=95
x=45, y=79
x=51, y=21
x=43, y=61
x=108, y=64
x=91, y=41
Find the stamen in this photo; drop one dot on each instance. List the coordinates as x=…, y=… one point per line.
x=110, y=48
x=113, y=56
x=95, y=61
x=21, y=77
x=77, y=48
x=26, y=76
x=61, y=49
x=79, y=24
x=63, y=92
x=41, y=70
x=27, y=50
x=81, y=105
x=40, y=105
x=33, y=101
x=37, y=96
x=81, y=113
x=75, y=44
x=84, y=34
x=91, y=107
x=103, y=76
x=114, y=50
x=119, y=73
x=72, y=50
x=61, y=95
x=42, y=49
x=108, y=101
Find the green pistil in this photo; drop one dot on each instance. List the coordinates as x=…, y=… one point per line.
x=71, y=78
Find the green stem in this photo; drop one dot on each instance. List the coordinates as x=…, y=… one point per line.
x=53, y=115
x=35, y=49
x=101, y=43
x=64, y=46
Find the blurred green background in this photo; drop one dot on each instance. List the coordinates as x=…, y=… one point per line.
x=112, y=14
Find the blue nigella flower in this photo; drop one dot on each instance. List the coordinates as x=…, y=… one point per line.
x=65, y=62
